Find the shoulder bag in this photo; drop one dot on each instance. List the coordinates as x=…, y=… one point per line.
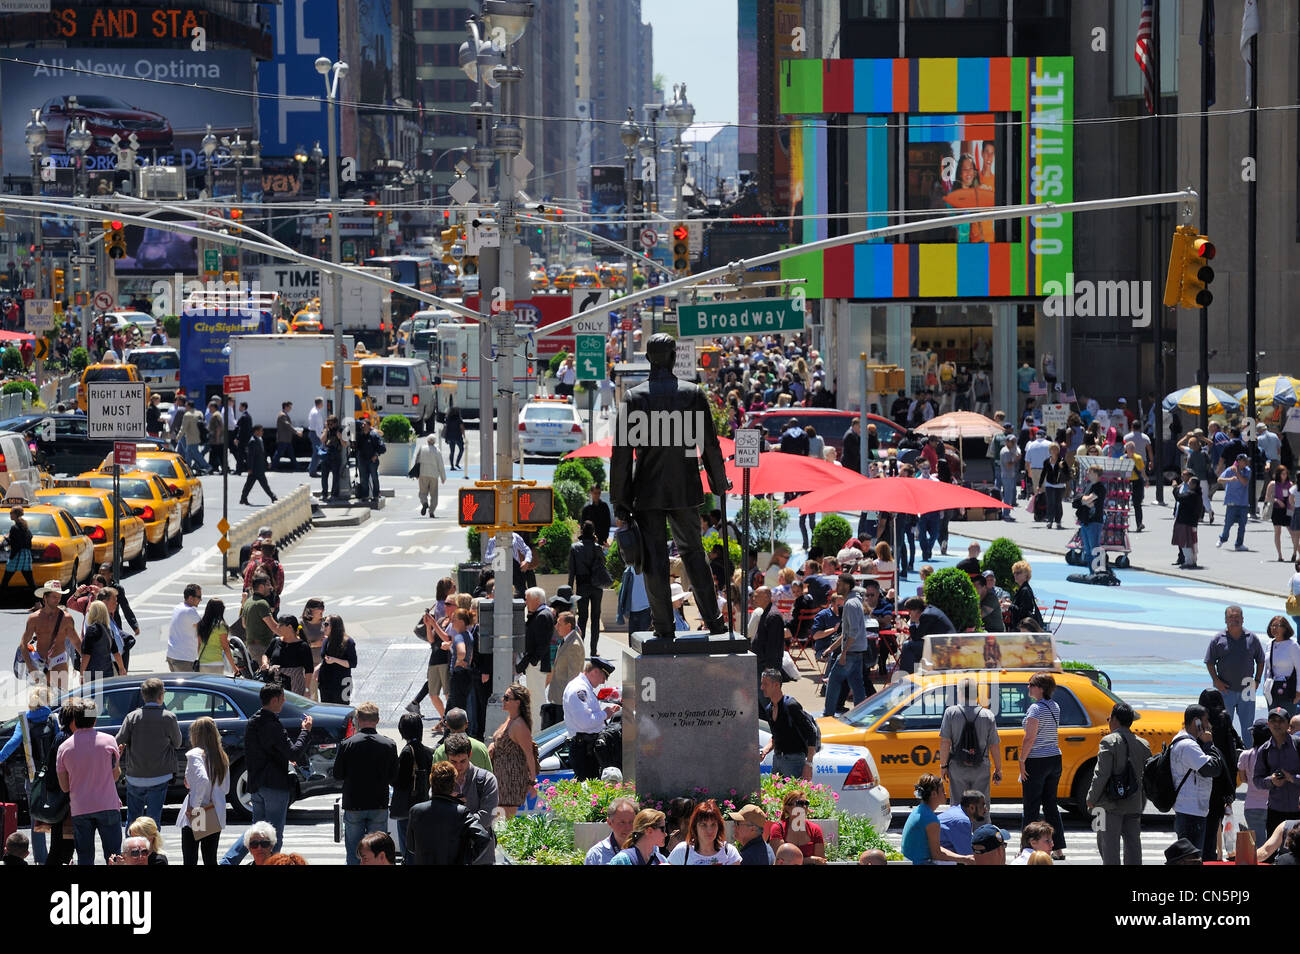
x=204, y=822
x=48, y=804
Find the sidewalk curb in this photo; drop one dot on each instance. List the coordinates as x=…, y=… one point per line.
x=1132, y=566
x=354, y=517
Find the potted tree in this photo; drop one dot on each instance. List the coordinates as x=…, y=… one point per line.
x=397, y=433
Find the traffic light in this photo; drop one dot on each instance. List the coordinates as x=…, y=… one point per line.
x=58, y=283
x=1187, y=284
x=709, y=358
x=477, y=507
x=534, y=506
x=469, y=265
x=448, y=237
x=681, y=247
x=114, y=238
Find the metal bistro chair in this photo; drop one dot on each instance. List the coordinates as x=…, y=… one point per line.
x=1056, y=616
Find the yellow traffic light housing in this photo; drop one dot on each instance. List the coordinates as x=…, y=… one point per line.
x=469, y=265
x=355, y=375
x=448, y=237
x=114, y=239
x=1189, y=277
x=58, y=283
x=681, y=247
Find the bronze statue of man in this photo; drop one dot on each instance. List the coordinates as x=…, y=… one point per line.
x=664, y=429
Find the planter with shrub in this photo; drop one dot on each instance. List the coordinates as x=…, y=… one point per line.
x=952, y=591
x=573, y=494
x=594, y=466
x=831, y=533
x=552, y=545
x=1001, y=556
x=572, y=470
x=397, y=432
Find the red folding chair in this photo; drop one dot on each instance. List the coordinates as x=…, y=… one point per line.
x=1057, y=615
x=800, y=648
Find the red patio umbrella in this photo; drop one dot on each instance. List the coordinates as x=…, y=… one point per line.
x=894, y=495
x=779, y=473
x=605, y=448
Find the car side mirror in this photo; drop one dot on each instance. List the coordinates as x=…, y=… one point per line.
x=894, y=723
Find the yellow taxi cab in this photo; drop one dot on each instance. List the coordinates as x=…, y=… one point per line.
x=306, y=323
x=900, y=724
x=146, y=494
x=93, y=510
x=110, y=371
x=183, y=483
x=541, y=281
x=61, y=550
x=612, y=276
x=564, y=280
x=585, y=278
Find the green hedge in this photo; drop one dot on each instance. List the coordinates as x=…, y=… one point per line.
x=952, y=591
x=573, y=495
x=474, y=543
x=614, y=562
x=756, y=535
x=574, y=471
x=11, y=361
x=396, y=429
x=831, y=533
x=551, y=548
x=78, y=358
x=594, y=466
x=11, y=387
x=1001, y=556
x=172, y=326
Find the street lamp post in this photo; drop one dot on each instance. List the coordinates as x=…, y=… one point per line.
x=479, y=59
x=506, y=22
x=630, y=133
x=338, y=69
x=35, y=136
x=79, y=140
x=682, y=114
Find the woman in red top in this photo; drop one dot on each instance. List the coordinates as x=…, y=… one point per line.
x=796, y=828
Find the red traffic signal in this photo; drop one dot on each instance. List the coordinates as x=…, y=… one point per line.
x=116, y=227
x=477, y=507
x=236, y=214
x=681, y=233
x=534, y=506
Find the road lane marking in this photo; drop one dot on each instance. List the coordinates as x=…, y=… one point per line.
x=344, y=546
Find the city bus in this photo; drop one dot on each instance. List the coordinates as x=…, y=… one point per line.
x=417, y=271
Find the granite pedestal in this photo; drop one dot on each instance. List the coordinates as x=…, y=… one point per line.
x=690, y=715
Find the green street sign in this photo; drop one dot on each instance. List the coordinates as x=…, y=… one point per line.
x=230, y=250
x=211, y=260
x=590, y=357
x=751, y=316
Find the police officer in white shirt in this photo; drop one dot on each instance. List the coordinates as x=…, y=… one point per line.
x=584, y=717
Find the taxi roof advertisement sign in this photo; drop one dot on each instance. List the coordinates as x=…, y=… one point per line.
x=165, y=97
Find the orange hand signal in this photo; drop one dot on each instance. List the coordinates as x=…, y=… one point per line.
x=525, y=505
x=468, y=506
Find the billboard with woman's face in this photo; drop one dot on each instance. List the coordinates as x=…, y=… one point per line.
x=952, y=164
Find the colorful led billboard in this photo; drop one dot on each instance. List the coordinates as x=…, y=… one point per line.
x=976, y=133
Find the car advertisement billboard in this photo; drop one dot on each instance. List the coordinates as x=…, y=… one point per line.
x=165, y=97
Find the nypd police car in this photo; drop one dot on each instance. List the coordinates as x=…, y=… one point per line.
x=848, y=770
x=549, y=426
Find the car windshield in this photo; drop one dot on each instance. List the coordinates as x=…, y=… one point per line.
x=544, y=736
x=40, y=524
x=156, y=360
x=79, y=505
x=118, y=373
x=138, y=488
x=100, y=102
x=873, y=709
x=157, y=465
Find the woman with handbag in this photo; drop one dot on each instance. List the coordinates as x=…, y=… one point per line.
x=1283, y=666
x=588, y=576
x=214, y=640
x=412, y=784
x=207, y=776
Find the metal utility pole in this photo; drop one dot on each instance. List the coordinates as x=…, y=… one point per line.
x=1157, y=243
x=482, y=158
x=630, y=134
x=343, y=488
x=682, y=113
x=1252, y=210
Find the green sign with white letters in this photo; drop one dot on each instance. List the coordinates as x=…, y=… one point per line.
x=590, y=357
x=749, y=316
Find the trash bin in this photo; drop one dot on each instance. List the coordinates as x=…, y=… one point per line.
x=467, y=576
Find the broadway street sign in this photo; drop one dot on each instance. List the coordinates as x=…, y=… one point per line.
x=751, y=316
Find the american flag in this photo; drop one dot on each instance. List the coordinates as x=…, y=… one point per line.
x=1142, y=53
x=1067, y=397
x=1037, y=388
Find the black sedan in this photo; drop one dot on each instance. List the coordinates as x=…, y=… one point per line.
x=230, y=702
x=72, y=450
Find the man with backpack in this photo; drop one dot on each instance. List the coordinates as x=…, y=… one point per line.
x=795, y=737
x=968, y=737
x=1191, y=764
x=1116, y=789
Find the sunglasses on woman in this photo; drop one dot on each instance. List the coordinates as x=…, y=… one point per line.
x=259, y=843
